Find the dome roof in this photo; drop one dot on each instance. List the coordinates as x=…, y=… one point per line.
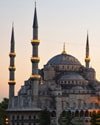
x=63, y=59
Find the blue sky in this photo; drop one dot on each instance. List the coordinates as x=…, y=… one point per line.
x=59, y=21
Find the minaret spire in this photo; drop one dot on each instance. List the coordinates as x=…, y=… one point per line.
x=64, y=49
x=12, y=39
x=35, y=59
x=35, y=24
x=12, y=66
x=87, y=57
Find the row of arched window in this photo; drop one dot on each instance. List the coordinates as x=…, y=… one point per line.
x=75, y=82
x=69, y=67
x=14, y=117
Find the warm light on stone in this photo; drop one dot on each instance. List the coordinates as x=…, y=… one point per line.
x=11, y=82
x=12, y=54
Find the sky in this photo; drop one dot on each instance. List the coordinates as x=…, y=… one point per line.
x=59, y=21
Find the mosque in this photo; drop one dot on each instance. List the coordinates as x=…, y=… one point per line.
x=63, y=84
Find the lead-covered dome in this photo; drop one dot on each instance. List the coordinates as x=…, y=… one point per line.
x=63, y=59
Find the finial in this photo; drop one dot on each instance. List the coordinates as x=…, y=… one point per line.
x=64, y=51
x=35, y=3
x=12, y=24
x=87, y=57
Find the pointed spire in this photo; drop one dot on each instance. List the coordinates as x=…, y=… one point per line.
x=12, y=39
x=64, y=49
x=87, y=46
x=35, y=21
x=35, y=25
x=87, y=57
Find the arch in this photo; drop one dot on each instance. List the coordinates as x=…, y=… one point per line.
x=22, y=117
x=30, y=117
x=81, y=113
x=17, y=117
x=76, y=113
x=53, y=114
x=69, y=112
x=13, y=117
x=86, y=113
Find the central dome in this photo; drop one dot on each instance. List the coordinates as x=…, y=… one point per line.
x=63, y=59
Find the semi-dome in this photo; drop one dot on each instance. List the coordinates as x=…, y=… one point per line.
x=72, y=76
x=63, y=59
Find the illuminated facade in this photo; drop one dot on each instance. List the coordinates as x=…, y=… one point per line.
x=63, y=84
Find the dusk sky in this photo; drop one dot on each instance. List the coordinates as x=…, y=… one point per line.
x=59, y=21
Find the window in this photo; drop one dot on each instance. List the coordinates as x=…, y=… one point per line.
x=17, y=117
x=30, y=117
x=34, y=117
x=13, y=117
x=22, y=117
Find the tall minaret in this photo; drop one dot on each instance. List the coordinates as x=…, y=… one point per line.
x=35, y=77
x=87, y=58
x=12, y=66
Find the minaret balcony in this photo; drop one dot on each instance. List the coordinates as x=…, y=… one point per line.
x=35, y=59
x=34, y=42
x=12, y=68
x=87, y=59
x=11, y=82
x=12, y=54
x=35, y=76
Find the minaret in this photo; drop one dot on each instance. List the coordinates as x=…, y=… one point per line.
x=35, y=77
x=87, y=58
x=12, y=66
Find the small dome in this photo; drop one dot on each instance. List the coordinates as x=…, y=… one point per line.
x=63, y=59
x=78, y=88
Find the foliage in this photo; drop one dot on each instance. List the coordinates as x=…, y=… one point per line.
x=65, y=118
x=3, y=107
x=95, y=118
x=45, y=117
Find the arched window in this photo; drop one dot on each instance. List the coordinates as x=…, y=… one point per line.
x=30, y=117
x=81, y=113
x=13, y=117
x=34, y=117
x=53, y=114
x=22, y=117
x=77, y=113
x=17, y=117
x=86, y=113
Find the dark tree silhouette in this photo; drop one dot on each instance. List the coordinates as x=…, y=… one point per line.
x=3, y=114
x=45, y=117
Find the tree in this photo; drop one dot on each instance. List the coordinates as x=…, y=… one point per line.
x=44, y=118
x=95, y=118
x=65, y=118
x=3, y=114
